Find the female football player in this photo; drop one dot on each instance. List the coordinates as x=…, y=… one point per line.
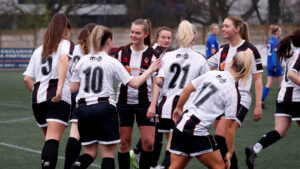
x=73, y=147
x=288, y=99
x=202, y=101
x=131, y=103
x=178, y=70
x=93, y=77
x=236, y=31
x=47, y=78
x=161, y=44
x=273, y=65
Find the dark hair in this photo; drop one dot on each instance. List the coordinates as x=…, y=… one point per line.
x=99, y=36
x=163, y=28
x=147, y=28
x=53, y=35
x=83, y=38
x=284, y=46
x=239, y=22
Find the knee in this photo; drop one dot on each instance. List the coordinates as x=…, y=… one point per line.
x=147, y=145
x=124, y=145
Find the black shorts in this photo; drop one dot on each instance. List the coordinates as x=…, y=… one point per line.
x=127, y=112
x=241, y=114
x=288, y=109
x=186, y=144
x=98, y=123
x=165, y=125
x=50, y=111
x=73, y=117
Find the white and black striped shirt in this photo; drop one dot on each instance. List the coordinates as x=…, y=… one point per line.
x=216, y=93
x=289, y=91
x=179, y=68
x=45, y=73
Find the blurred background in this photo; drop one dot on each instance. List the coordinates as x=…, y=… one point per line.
x=23, y=22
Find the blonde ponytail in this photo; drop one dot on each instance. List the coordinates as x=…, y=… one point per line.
x=99, y=36
x=242, y=65
x=186, y=33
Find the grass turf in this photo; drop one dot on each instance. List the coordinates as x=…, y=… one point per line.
x=20, y=137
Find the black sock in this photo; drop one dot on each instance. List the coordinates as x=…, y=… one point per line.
x=49, y=154
x=223, y=149
x=83, y=162
x=73, y=149
x=145, y=160
x=124, y=160
x=234, y=161
x=269, y=138
x=167, y=160
x=108, y=163
x=138, y=147
x=157, y=149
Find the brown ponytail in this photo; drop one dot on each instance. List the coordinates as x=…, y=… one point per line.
x=83, y=38
x=54, y=33
x=284, y=46
x=239, y=22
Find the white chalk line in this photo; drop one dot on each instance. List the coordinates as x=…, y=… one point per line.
x=15, y=105
x=16, y=120
x=35, y=151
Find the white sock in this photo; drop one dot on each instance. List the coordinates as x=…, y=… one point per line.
x=257, y=148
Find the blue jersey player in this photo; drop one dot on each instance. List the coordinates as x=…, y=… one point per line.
x=273, y=65
x=212, y=44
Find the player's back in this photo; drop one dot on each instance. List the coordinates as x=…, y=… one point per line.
x=97, y=73
x=180, y=67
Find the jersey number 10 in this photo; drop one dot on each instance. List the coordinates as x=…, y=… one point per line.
x=96, y=83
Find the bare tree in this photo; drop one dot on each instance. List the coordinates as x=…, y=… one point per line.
x=206, y=12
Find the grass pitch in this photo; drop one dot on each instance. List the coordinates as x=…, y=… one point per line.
x=21, y=140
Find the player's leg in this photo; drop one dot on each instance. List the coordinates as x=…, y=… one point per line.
x=86, y=159
x=73, y=147
x=266, y=89
x=178, y=161
x=57, y=119
x=212, y=160
x=108, y=155
x=126, y=116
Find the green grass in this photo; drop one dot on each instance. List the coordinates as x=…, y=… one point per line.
x=15, y=104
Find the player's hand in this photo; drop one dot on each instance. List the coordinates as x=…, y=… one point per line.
x=228, y=159
x=151, y=112
x=155, y=65
x=58, y=96
x=176, y=114
x=257, y=114
x=274, y=70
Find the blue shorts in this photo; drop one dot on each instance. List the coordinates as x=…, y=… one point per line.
x=275, y=74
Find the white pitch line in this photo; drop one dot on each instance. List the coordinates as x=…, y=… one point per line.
x=15, y=105
x=35, y=151
x=17, y=120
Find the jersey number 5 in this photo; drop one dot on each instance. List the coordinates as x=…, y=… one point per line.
x=177, y=69
x=96, y=83
x=47, y=65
